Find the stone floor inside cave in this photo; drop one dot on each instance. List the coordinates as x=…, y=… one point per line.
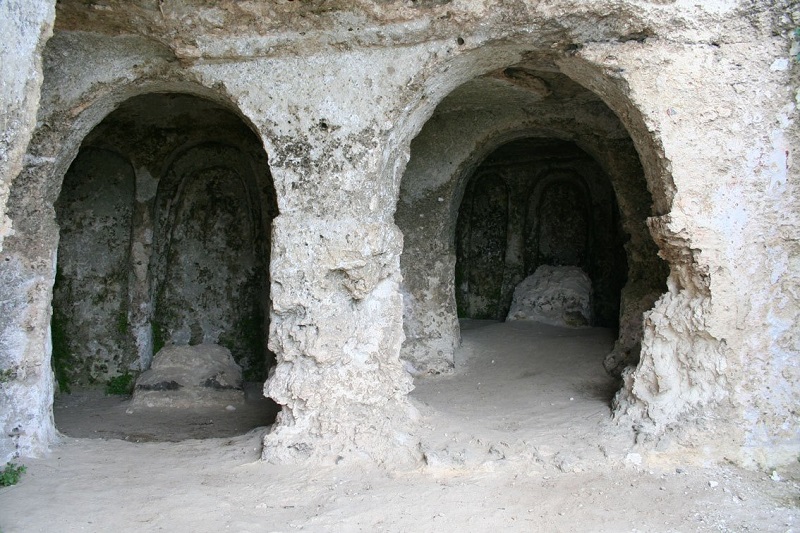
x=515, y=383
x=518, y=438
x=526, y=390
x=93, y=414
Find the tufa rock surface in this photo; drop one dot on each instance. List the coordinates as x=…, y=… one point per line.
x=327, y=151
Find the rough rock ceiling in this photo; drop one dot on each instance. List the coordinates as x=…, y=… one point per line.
x=518, y=87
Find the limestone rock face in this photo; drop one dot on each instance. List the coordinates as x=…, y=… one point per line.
x=559, y=296
x=26, y=27
x=190, y=376
x=685, y=115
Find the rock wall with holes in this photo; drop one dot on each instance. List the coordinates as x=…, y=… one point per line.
x=373, y=117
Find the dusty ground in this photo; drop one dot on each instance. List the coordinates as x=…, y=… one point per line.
x=95, y=415
x=518, y=439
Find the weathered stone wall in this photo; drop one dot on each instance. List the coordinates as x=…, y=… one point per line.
x=25, y=27
x=26, y=386
x=730, y=277
x=689, y=109
x=89, y=328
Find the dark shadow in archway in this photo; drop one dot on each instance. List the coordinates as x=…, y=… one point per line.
x=165, y=218
x=535, y=202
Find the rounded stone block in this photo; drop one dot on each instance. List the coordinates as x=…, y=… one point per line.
x=559, y=296
x=188, y=377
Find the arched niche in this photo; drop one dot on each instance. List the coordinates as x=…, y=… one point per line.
x=482, y=234
x=211, y=282
x=90, y=332
x=535, y=202
x=189, y=239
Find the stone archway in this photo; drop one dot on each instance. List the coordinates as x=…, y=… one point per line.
x=109, y=263
x=192, y=266
x=503, y=107
x=660, y=98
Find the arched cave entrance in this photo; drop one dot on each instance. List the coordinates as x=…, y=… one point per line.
x=517, y=169
x=164, y=219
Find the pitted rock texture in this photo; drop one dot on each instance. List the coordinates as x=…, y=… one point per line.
x=26, y=420
x=187, y=377
x=558, y=296
x=374, y=118
x=26, y=27
x=344, y=325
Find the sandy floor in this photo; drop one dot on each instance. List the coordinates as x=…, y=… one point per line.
x=519, y=438
x=94, y=415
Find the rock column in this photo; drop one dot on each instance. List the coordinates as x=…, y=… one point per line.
x=337, y=329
